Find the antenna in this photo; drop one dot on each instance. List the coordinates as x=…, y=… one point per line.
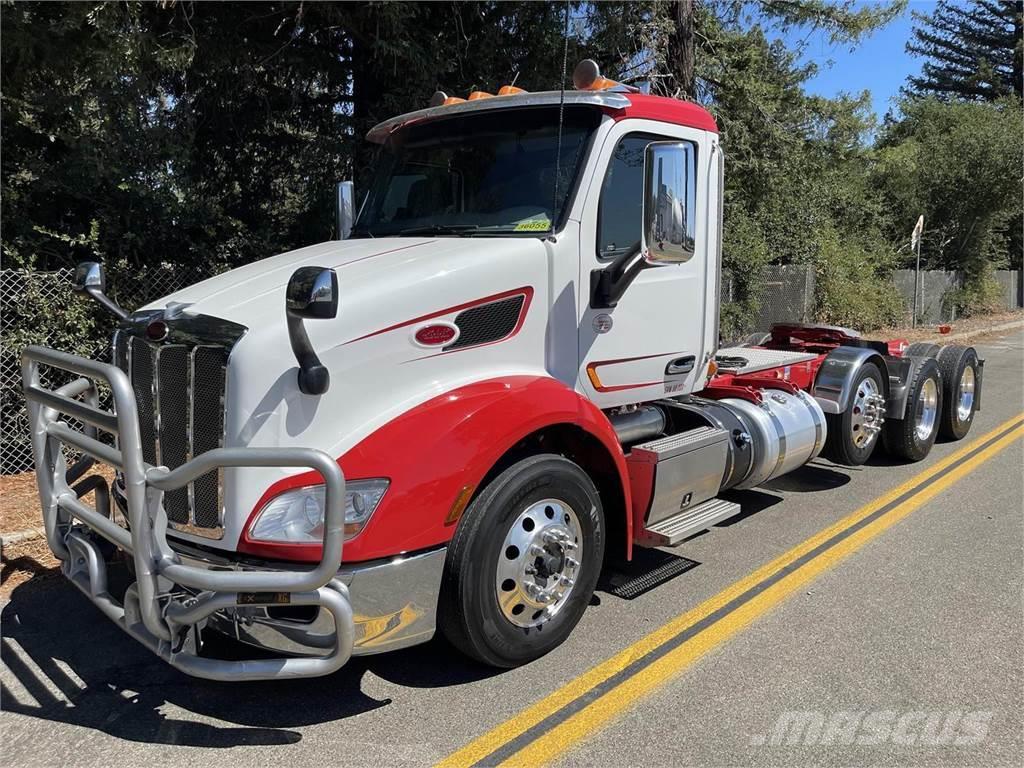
x=561, y=117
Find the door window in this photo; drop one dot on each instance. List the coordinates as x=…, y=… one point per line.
x=620, y=210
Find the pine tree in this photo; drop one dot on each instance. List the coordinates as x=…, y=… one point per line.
x=972, y=51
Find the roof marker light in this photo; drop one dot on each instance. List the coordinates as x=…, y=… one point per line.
x=587, y=77
x=442, y=99
x=510, y=90
x=474, y=95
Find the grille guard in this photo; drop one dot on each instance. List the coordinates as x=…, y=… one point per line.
x=161, y=619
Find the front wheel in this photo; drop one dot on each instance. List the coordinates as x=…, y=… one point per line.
x=523, y=563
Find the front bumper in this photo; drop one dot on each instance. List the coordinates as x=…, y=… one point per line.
x=171, y=600
x=394, y=605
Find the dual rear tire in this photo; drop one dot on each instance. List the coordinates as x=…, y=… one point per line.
x=913, y=436
x=941, y=400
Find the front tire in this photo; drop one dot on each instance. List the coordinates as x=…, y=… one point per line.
x=853, y=434
x=913, y=436
x=523, y=563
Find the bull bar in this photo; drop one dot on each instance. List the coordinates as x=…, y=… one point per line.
x=165, y=619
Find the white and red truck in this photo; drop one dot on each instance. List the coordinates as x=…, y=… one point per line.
x=506, y=371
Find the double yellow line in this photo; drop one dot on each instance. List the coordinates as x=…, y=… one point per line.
x=560, y=720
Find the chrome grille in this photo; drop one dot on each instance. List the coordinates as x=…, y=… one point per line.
x=179, y=393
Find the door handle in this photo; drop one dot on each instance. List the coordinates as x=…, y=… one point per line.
x=680, y=365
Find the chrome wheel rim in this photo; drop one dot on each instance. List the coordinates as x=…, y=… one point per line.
x=965, y=394
x=868, y=413
x=926, y=409
x=539, y=563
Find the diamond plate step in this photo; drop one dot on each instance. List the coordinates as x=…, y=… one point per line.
x=758, y=359
x=673, y=530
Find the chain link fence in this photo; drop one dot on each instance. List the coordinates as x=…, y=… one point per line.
x=41, y=308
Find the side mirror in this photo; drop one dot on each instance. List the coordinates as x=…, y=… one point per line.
x=344, y=208
x=89, y=274
x=670, y=202
x=312, y=294
x=91, y=279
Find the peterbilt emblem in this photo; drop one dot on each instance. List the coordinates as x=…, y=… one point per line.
x=436, y=334
x=602, y=323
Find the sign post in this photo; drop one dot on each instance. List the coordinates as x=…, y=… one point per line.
x=915, y=245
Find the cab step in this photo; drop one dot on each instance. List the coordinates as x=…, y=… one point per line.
x=672, y=530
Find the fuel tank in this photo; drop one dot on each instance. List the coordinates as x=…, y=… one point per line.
x=786, y=431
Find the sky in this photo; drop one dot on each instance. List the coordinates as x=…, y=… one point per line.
x=878, y=63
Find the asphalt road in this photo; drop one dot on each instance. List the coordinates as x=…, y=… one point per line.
x=908, y=650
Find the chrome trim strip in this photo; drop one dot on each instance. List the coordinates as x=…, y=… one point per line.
x=154, y=388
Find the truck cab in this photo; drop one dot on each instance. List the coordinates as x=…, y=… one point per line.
x=507, y=372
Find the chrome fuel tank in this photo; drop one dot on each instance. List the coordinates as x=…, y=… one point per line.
x=786, y=432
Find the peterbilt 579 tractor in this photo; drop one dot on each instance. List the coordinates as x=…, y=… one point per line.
x=506, y=371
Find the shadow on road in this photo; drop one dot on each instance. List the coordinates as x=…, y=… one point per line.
x=808, y=478
x=66, y=663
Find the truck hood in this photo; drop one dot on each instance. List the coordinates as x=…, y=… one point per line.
x=226, y=294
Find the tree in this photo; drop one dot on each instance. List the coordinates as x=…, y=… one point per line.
x=972, y=51
x=959, y=164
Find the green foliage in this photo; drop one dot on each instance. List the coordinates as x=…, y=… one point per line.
x=958, y=163
x=972, y=50
x=181, y=139
x=851, y=286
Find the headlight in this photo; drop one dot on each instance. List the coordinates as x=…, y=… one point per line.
x=297, y=516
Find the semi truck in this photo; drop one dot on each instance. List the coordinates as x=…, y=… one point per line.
x=504, y=373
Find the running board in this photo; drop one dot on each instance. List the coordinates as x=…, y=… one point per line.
x=672, y=530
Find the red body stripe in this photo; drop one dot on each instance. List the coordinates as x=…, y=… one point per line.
x=525, y=290
x=592, y=372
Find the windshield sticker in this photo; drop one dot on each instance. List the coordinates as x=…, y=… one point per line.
x=533, y=225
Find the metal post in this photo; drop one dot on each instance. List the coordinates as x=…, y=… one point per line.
x=916, y=288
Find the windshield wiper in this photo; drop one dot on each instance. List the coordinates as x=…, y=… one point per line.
x=440, y=229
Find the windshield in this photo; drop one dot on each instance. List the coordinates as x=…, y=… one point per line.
x=492, y=172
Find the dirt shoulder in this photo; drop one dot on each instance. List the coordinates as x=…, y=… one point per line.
x=975, y=326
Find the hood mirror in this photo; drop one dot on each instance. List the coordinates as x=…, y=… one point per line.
x=344, y=211
x=312, y=294
x=91, y=279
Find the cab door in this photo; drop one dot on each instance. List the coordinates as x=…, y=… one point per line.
x=651, y=344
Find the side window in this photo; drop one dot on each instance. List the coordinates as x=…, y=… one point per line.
x=620, y=210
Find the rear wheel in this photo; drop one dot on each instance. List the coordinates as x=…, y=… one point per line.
x=523, y=563
x=959, y=366
x=912, y=437
x=853, y=434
